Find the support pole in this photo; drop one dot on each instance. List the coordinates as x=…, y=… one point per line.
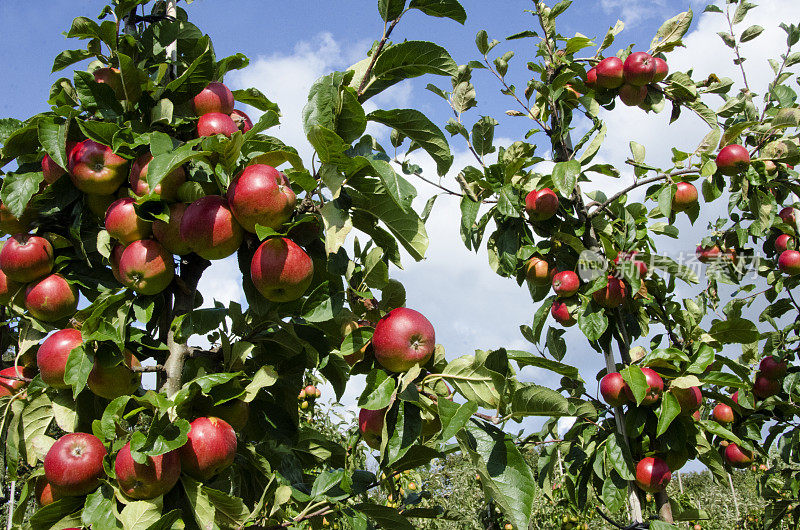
x=11, y=495
x=733, y=494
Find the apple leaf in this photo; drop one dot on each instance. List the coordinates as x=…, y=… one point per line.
x=535, y=400
x=401, y=429
x=441, y=8
x=140, y=514
x=99, y=510
x=454, y=416
x=203, y=509
x=524, y=358
x=669, y=35
x=197, y=75
x=68, y=57
x=669, y=410
x=264, y=377
x=164, y=164
x=76, y=373
x=17, y=190
x=734, y=331
x=592, y=321
x=53, y=137
x=406, y=226
x=337, y=224
x=378, y=391
x=163, y=436
x=637, y=382
x=236, y=61
x=384, y=516
x=36, y=418
x=415, y=125
x=619, y=455
x=475, y=381
x=483, y=135
x=565, y=177
x=390, y=9
x=324, y=302
x=255, y=98
x=97, y=97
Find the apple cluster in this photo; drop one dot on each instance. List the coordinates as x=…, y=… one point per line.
x=73, y=466
x=308, y=396
x=630, y=79
x=785, y=245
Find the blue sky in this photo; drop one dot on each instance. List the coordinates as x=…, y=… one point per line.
x=291, y=46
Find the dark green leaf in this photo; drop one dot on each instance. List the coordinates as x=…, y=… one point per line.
x=415, y=125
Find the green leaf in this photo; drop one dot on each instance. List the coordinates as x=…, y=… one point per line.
x=535, y=400
x=384, y=516
x=76, y=373
x=475, y=381
x=323, y=303
x=204, y=512
x=592, y=322
x=612, y=32
x=140, y=514
x=163, y=436
x=254, y=98
x=53, y=137
x=197, y=75
x=415, y=125
x=36, y=418
x=337, y=224
x=402, y=427
x=454, y=416
x=399, y=189
x=441, y=8
x=483, y=135
x=97, y=97
x=65, y=512
x=751, y=33
x=390, y=9
x=619, y=455
x=99, y=510
x=505, y=475
x=565, y=176
x=264, y=377
x=734, y=331
x=17, y=190
x=669, y=35
x=407, y=227
x=68, y=57
x=378, y=391
x=229, y=511
x=669, y=410
x=637, y=381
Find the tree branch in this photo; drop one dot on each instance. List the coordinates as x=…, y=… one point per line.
x=386, y=32
x=604, y=205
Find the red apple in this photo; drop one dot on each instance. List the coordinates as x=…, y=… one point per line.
x=370, y=423
x=610, y=73
x=215, y=123
x=241, y=120
x=210, y=449
x=44, y=493
x=123, y=224
x=146, y=267
x=167, y=189
x=113, y=259
x=111, y=77
x=209, y=228
x=733, y=159
x=689, y=399
x=74, y=464
x=402, y=339
x=789, y=262
x=9, y=387
x=612, y=388
x=95, y=169
x=51, y=298
x=52, y=171
x=783, y=242
x=169, y=234
x=772, y=369
x=655, y=387
x=99, y=204
x=281, y=270
x=632, y=95
x=735, y=397
x=723, y=413
x=708, y=254
x=541, y=204
x=625, y=260
x=591, y=78
x=149, y=480
x=639, y=69
x=765, y=387
x=685, y=197
x=538, y=271
x=661, y=70
x=787, y=215
x=652, y=474
x=563, y=312
x=612, y=295
x=566, y=284
x=25, y=258
x=261, y=195
x=216, y=97
x=696, y=415
x=111, y=382
x=737, y=457
x=53, y=354
x=8, y=288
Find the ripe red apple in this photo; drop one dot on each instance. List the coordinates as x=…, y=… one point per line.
x=625, y=260
x=215, y=123
x=51, y=298
x=632, y=95
x=783, y=242
x=685, y=196
x=74, y=464
x=610, y=73
x=566, y=284
x=149, y=480
x=51, y=359
x=612, y=388
x=538, y=271
x=639, y=69
x=209, y=228
x=113, y=259
x=689, y=399
x=789, y=262
x=591, y=78
x=9, y=387
x=241, y=120
x=210, y=449
x=735, y=397
x=541, y=204
x=52, y=171
x=370, y=423
x=216, y=97
x=652, y=474
x=25, y=258
x=737, y=457
x=723, y=413
x=696, y=415
x=169, y=234
x=8, y=288
x=563, y=312
x=612, y=295
x=99, y=204
x=765, y=387
x=113, y=78
x=772, y=369
x=787, y=215
x=708, y=254
x=167, y=189
x=111, y=382
x=44, y=493
x=281, y=270
x=661, y=70
x=261, y=195
x=123, y=224
x=95, y=169
x=655, y=387
x=403, y=338
x=733, y=159
x=146, y=267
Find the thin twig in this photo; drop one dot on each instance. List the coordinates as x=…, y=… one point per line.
x=736, y=46
x=386, y=32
